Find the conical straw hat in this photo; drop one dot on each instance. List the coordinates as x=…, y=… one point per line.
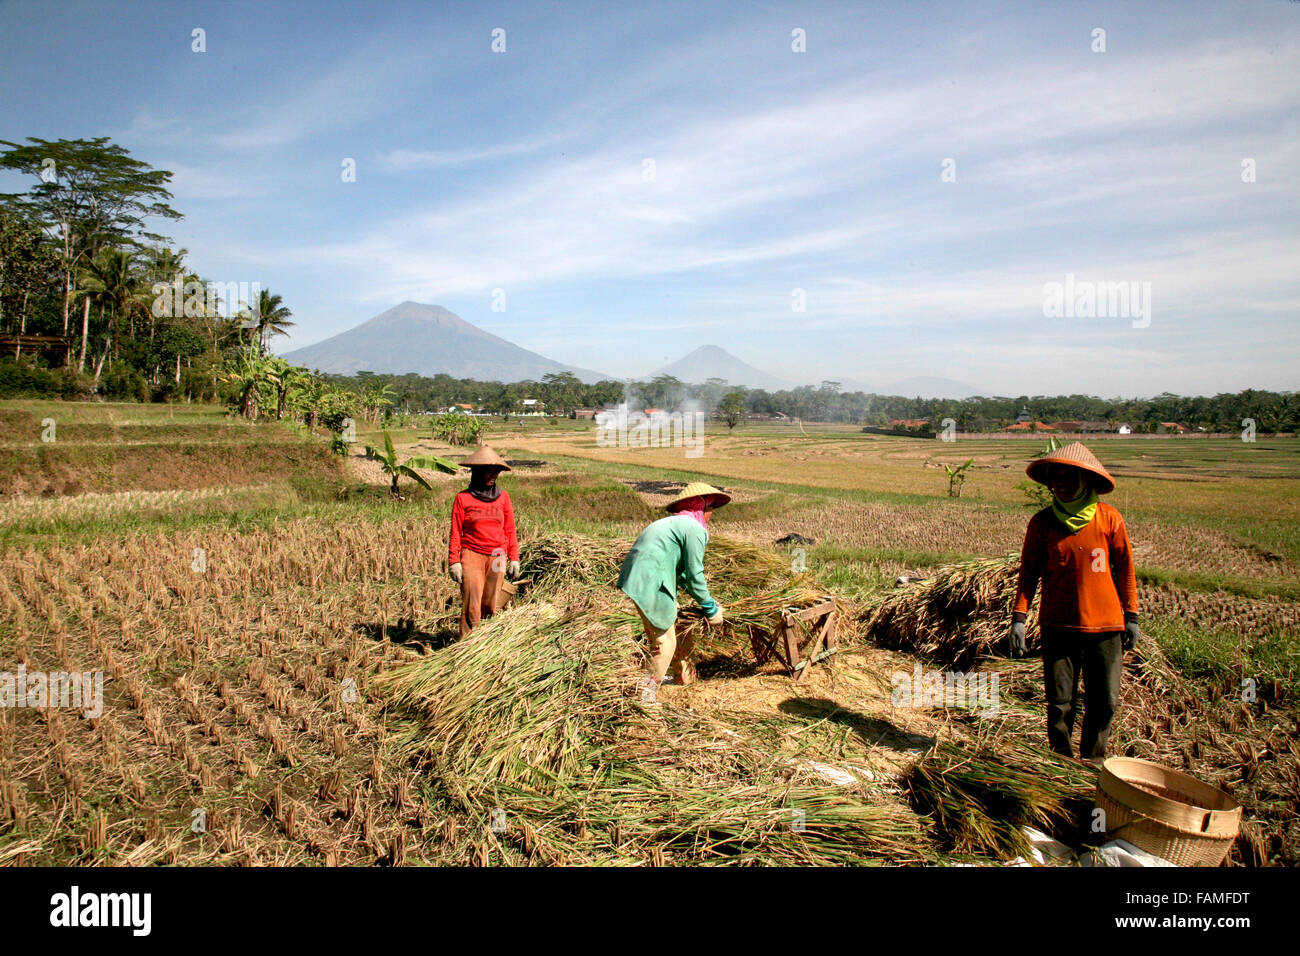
x=1075, y=454
x=486, y=456
x=698, y=489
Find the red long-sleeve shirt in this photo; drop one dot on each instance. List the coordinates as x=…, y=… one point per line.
x=1088, y=578
x=484, y=527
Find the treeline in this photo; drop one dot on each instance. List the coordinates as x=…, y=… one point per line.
x=418, y=393
x=93, y=303
x=1271, y=411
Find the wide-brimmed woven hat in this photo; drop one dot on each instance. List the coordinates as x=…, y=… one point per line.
x=486, y=456
x=1077, y=455
x=698, y=489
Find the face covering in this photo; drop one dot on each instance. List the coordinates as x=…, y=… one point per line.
x=478, y=486
x=1077, y=514
x=701, y=516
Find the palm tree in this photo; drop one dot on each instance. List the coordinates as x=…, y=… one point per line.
x=388, y=462
x=112, y=281
x=272, y=317
x=165, y=264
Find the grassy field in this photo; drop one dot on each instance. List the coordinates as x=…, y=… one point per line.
x=242, y=590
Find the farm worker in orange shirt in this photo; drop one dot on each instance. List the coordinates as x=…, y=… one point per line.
x=670, y=554
x=1079, y=548
x=482, y=538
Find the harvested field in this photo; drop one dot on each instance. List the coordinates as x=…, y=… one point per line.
x=227, y=690
x=281, y=657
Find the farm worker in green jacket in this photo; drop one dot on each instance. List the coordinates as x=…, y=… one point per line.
x=670, y=553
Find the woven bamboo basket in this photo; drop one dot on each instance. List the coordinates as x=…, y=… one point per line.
x=1167, y=813
x=505, y=592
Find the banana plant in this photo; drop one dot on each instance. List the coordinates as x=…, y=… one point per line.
x=957, y=477
x=249, y=371
x=388, y=461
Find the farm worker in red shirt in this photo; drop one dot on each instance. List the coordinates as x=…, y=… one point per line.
x=1079, y=548
x=482, y=538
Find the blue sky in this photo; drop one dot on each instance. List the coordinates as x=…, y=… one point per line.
x=773, y=171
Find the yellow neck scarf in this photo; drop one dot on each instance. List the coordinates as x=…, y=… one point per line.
x=1077, y=514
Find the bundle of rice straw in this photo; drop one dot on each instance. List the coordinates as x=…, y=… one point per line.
x=730, y=567
x=532, y=732
x=959, y=614
x=572, y=558
x=753, y=584
x=980, y=795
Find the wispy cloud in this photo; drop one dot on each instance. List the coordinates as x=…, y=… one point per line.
x=673, y=173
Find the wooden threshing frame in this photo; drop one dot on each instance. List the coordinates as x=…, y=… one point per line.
x=783, y=640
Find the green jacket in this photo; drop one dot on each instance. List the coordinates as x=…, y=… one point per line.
x=670, y=552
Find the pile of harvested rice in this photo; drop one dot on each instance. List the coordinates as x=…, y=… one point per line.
x=753, y=585
x=961, y=613
x=980, y=795
x=532, y=733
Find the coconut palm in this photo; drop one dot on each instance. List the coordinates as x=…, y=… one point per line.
x=388, y=462
x=112, y=281
x=272, y=317
x=165, y=264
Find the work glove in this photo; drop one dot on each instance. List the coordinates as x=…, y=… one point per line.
x=1019, y=644
x=513, y=570
x=1131, y=634
x=456, y=572
x=716, y=619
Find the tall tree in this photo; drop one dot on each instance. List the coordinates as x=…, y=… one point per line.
x=25, y=260
x=90, y=195
x=732, y=408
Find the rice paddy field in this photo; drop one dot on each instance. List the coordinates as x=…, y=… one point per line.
x=283, y=684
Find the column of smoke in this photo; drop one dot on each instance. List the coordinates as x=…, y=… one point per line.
x=685, y=400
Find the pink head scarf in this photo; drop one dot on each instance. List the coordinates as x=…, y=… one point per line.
x=700, y=515
x=700, y=512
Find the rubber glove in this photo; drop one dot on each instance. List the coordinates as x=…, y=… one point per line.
x=456, y=572
x=513, y=570
x=1019, y=644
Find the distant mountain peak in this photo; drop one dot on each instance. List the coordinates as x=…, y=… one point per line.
x=713, y=361
x=414, y=337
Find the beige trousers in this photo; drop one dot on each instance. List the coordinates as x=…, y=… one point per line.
x=667, y=652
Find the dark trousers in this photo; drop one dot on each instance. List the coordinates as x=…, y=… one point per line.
x=1099, y=659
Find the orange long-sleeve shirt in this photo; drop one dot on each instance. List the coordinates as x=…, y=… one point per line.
x=1088, y=580
x=484, y=527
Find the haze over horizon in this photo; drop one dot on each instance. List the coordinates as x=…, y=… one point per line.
x=769, y=171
